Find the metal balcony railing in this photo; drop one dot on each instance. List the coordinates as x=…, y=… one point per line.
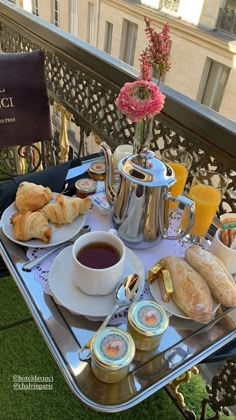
x=226, y=21
x=86, y=81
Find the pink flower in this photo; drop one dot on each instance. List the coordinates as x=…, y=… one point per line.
x=140, y=100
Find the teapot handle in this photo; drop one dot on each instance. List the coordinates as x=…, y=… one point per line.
x=190, y=206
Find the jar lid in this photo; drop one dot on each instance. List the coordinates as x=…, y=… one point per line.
x=112, y=348
x=85, y=185
x=148, y=318
x=97, y=168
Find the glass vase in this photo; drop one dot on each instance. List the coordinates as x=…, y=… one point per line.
x=142, y=135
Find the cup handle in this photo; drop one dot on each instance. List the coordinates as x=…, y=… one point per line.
x=190, y=206
x=113, y=232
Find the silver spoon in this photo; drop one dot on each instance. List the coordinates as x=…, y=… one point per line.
x=127, y=291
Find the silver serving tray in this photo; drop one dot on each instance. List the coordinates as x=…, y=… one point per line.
x=184, y=344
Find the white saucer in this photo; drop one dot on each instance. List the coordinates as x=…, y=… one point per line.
x=71, y=297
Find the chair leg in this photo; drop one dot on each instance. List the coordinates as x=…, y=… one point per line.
x=173, y=390
x=221, y=393
x=3, y=269
x=16, y=323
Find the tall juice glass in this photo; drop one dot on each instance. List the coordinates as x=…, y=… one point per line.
x=180, y=161
x=207, y=190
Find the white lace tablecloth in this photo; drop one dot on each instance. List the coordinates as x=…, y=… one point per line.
x=148, y=256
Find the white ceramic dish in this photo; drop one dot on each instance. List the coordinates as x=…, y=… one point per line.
x=60, y=234
x=171, y=306
x=71, y=297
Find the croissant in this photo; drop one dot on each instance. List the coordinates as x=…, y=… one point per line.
x=65, y=209
x=30, y=196
x=31, y=225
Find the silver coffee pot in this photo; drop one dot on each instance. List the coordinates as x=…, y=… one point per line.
x=140, y=200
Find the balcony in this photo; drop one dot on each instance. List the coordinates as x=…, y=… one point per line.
x=226, y=21
x=86, y=81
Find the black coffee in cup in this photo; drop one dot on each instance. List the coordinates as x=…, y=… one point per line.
x=98, y=255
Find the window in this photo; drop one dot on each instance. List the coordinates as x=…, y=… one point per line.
x=91, y=21
x=171, y=5
x=35, y=7
x=108, y=37
x=74, y=17
x=128, y=41
x=230, y=4
x=56, y=16
x=27, y=5
x=215, y=76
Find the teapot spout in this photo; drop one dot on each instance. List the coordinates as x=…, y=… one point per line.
x=109, y=181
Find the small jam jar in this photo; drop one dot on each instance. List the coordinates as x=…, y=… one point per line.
x=85, y=187
x=112, y=351
x=147, y=321
x=97, y=171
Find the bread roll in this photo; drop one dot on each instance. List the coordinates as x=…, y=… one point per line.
x=219, y=280
x=190, y=291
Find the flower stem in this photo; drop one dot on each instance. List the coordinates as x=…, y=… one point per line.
x=142, y=135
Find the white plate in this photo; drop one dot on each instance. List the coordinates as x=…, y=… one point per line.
x=60, y=234
x=71, y=297
x=171, y=306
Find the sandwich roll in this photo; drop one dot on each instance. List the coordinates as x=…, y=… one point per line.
x=190, y=291
x=219, y=280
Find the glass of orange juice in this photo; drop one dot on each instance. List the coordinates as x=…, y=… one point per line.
x=207, y=190
x=180, y=161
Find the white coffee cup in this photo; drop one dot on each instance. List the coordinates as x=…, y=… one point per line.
x=98, y=281
x=122, y=151
x=224, y=253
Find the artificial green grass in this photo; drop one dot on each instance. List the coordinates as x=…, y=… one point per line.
x=23, y=352
x=12, y=306
x=194, y=393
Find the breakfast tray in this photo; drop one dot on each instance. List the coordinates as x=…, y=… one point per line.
x=184, y=344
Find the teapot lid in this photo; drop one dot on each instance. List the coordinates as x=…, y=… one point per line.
x=146, y=169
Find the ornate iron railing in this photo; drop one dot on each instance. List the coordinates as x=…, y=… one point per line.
x=227, y=21
x=86, y=81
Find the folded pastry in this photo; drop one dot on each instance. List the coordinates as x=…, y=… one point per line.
x=30, y=196
x=66, y=209
x=31, y=225
x=219, y=280
x=190, y=290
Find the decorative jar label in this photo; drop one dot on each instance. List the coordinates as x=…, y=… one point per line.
x=113, y=347
x=149, y=317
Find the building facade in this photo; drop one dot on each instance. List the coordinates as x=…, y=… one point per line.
x=203, y=35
